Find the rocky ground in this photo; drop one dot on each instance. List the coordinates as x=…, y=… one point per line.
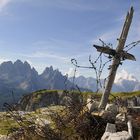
x=74, y=117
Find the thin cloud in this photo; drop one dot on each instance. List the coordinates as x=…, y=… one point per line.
x=72, y=5
x=55, y=43
x=71, y=73
x=108, y=37
x=45, y=55
x=62, y=47
x=4, y=4
x=121, y=18
x=123, y=74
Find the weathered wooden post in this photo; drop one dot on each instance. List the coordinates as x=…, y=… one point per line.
x=117, y=57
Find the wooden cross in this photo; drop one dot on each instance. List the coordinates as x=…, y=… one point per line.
x=118, y=55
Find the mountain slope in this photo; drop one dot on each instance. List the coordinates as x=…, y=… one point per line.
x=18, y=75
x=20, y=78
x=52, y=79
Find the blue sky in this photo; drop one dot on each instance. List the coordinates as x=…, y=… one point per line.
x=51, y=32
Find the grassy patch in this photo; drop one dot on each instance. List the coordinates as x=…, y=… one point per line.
x=124, y=95
x=6, y=124
x=45, y=91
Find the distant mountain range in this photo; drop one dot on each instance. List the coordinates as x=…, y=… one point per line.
x=21, y=78
x=18, y=78
x=122, y=84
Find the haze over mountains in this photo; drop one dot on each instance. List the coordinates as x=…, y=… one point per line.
x=124, y=82
x=21, y=78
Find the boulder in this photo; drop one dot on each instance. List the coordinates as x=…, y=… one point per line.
x=92, y=105
x=110, y=112
x=110, y=133
x=112, y=108
x=108, y=116
x=138, y=100
x=123, y=135
x=110, y=128
x=121, y=117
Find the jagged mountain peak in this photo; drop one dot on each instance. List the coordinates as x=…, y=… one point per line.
x=26, y=63
x=18, y=62
x=6, y=67
x=23, y=78
x=20, y=75
x=27, y=66
x=34, y=70
x=48, y=69
x=6, y=63
x=49, y=73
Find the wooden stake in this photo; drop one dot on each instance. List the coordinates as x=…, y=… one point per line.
x=116, y=59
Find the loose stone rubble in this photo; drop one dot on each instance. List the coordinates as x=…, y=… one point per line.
x=3, y=137
x=116, y=114
x=111, y=134
x=42, y=122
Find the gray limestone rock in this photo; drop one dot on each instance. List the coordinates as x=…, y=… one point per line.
x=121, y=117
x=92, y=105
